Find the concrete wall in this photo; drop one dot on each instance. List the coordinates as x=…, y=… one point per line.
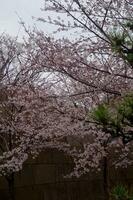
x=42, y=179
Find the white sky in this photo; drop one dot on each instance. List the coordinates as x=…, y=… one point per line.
x=25, y=9
x=9, y=21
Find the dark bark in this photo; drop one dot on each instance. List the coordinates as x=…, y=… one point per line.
x=105, y=179
x=10, y=180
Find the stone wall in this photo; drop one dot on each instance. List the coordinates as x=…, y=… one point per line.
x=42, y=179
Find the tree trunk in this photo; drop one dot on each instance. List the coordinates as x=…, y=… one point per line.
x=10, y=180
x=105, y=179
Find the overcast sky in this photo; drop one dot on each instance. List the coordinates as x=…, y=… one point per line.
x=11, y=10
x=9, y=21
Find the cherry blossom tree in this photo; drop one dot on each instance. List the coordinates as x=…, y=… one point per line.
x=50, y=86
x=95, y=67
x=32, y=116
x=98, y=64
x=18, y=96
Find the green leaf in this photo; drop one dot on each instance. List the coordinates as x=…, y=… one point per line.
x=120, y=193
x=101, y=114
